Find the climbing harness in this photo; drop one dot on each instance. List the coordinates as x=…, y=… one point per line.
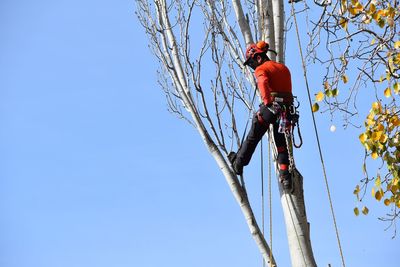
x=316, y=134
x=288, y=119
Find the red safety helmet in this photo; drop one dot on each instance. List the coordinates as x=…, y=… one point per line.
x=255, y=49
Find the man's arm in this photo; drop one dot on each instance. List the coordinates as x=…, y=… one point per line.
x=263, y=86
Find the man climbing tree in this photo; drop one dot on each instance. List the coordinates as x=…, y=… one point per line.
x=210, y=97
x=275, y=87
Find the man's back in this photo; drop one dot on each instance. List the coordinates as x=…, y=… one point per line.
x=273, y=77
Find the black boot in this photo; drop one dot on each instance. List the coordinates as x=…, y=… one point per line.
x=286, y=179
x=235, y=165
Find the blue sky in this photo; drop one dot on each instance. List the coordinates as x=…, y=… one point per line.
x=95, y=172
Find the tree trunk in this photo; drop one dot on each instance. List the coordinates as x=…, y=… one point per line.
x=241, y=197
x=297, y=227
x=294, y=211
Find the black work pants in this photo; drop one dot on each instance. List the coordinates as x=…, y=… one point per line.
x=260, y=124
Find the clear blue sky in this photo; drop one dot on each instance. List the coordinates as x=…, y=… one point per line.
x=94, y=172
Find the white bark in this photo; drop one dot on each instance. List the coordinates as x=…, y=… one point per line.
x=241, y=197
x=294, y=211
x=297, y=227
x=266, y=24
x=279, y=20
x=242, y=21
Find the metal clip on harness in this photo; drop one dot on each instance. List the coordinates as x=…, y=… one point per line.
x=294, y=114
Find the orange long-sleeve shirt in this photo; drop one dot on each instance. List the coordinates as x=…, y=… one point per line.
x=272, y=77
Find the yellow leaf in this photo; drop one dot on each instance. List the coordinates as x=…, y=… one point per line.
x=365, y=210
x=378, y=181
x=358, y=6
x=381, y=12
x=372, y=8
x=374, y=155
x=376, y=16
x=319, y=97
x=367, y=146
x=354, y=11
x=363, y=137
x=343, y=22
x=398, y=204
x=394, y=189
x=356, y=190
x=315, y=107
x=397, y=44
x=396, y=60
x=356, y=211
x=380, y=127
x=396, y=87
x=378, y=195
x=373, y=191
x=369, y=122
x=383, y=138
x=376, y=106
x=380, y=146
x=371, y=116
x=373, y=41
x=386, y=202
x=395, y=120
x=345, y=78
x=376, y=135
x=388, y=92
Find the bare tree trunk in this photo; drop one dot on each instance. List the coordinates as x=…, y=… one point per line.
x=279, y=19
x=267, y=24
x=241, y=197
x=294, y=211
x=297, y=227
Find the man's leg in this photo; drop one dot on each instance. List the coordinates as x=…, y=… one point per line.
x=243, y=156
x=283, y=158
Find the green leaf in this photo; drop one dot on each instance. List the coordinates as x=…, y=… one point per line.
x=396, y=88
x=381, y=23
x=356, y=211
x=329, y=93
x=379, y=195
x=365, y=210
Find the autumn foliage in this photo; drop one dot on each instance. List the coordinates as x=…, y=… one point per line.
x=362, y=39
